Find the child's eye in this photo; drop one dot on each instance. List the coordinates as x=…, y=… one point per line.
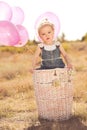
x=43, y=34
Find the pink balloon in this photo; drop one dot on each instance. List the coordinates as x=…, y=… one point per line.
x=5, y=11
x=9, y=35
x=18, y=15
x=51, y=17
x=24, y=36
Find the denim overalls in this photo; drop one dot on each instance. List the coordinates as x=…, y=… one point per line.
x=51, y=59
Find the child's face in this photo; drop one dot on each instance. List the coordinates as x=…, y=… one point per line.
x=46, y=33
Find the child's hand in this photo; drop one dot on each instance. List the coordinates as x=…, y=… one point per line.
x=69, y=66
x=31, y=70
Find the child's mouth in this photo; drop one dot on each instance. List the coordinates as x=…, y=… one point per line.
x=48, y=38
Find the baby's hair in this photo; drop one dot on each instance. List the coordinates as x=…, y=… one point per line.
x=44, y=23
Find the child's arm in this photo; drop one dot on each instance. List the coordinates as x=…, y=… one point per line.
x=36, y=56
x=67, y=60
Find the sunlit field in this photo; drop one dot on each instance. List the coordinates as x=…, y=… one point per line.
x=18, y=108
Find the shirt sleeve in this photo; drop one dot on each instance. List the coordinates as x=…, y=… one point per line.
x=57, y=43
x=41, y=45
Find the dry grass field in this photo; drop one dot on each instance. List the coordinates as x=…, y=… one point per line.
x=18, y=110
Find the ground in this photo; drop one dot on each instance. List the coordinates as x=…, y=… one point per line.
x=18, y=109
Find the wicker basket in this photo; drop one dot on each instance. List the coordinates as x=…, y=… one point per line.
x=54, y=93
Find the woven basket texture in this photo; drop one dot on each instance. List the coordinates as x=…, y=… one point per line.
x=54, y=93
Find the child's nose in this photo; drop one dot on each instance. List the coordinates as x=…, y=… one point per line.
x=47, y=35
